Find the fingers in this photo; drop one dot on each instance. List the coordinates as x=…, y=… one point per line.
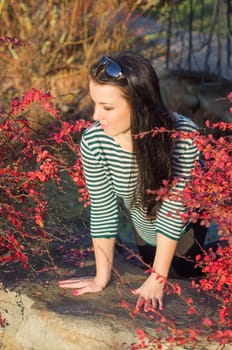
x=161, y=304
x=73, y=283
x=149, y=305
x=140, y=302
x=82, y=285
x=154, y=303
x=81, y=291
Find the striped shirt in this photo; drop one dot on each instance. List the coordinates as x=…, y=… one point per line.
x=111, y=175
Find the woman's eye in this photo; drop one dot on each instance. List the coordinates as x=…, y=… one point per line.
x=108, y=108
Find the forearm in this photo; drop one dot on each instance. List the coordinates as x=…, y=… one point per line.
x=165, y=251
x=104, y=254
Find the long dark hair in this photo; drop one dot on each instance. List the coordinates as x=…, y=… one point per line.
x=140, y=86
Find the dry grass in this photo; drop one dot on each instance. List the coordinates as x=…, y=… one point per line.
x=63, y=38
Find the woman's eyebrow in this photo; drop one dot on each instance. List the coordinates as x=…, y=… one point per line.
x=106, y=103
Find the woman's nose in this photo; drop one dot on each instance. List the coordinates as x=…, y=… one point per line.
x=96, y=115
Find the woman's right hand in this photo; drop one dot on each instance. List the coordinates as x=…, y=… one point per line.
x=103, y=250
x=82, y=285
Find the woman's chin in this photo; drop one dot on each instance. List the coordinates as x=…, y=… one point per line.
x=108, y=132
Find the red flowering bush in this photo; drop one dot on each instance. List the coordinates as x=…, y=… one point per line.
x=28, y=161
x=208, y=196
x=210, y=187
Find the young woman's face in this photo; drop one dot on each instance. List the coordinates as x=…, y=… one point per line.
x=111, y=109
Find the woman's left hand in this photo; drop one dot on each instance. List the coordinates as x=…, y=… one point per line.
x=150, y=294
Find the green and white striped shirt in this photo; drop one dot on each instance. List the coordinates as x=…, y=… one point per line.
x=111, y=174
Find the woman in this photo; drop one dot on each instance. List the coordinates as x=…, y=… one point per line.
x=120, y=165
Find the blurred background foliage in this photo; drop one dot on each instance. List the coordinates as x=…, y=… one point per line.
x=63, y=38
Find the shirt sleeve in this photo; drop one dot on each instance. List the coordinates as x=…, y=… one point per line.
x=104, y=203
x=169, y=218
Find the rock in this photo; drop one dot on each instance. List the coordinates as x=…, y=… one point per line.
x=191, y=101
x=227, y=117
x=214, y=104
x=43, y=317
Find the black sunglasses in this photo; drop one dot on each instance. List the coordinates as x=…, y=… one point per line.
x=112, y=68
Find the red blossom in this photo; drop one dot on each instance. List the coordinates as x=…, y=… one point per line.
x=32, y=96
x=3, y=322
x=207, y=322
x=189, y=301
x=229, y=96
x=224, y=337
x=124, y=304
x=140, y=334
x=12, y=42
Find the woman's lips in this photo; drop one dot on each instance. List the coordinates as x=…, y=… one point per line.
x=104, y=126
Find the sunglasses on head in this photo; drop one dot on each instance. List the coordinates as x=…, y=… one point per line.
x=112, y=68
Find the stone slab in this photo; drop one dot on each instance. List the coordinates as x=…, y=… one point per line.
x=43, y=317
